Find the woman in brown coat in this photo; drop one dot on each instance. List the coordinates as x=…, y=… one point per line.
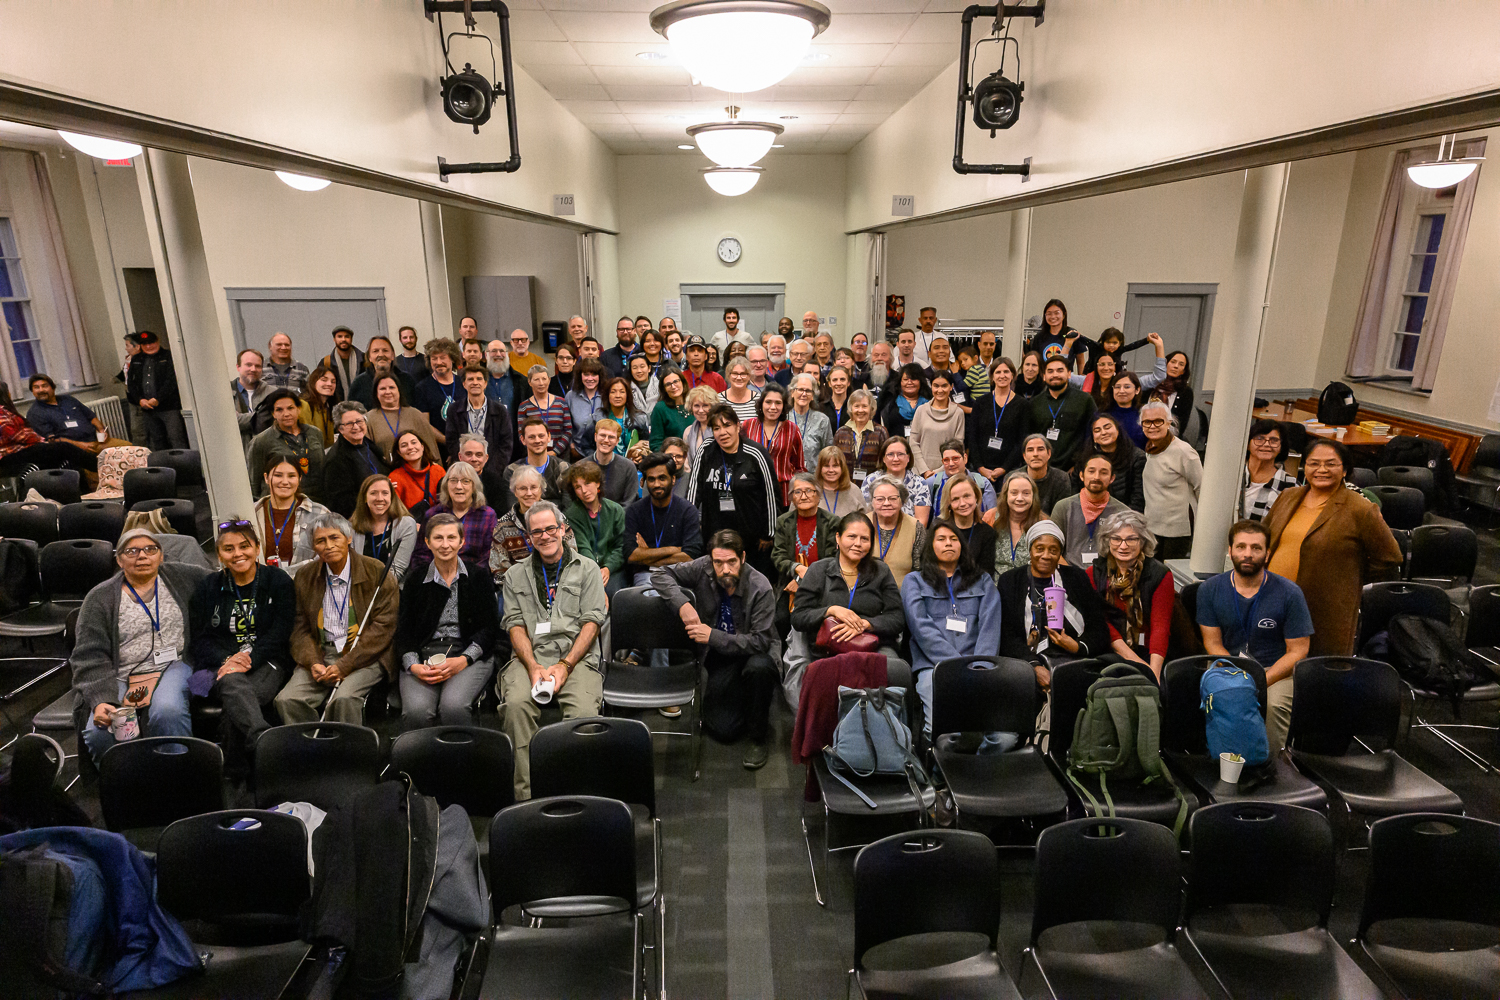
x=1332, y=541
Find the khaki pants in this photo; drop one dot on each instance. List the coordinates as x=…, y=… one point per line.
x=579, y=698
x=302, y=698
x=1278, y=713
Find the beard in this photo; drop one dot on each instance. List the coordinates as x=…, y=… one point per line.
x=726, y=582
x=497, y=368
x=879, y=373
x=1249, y=567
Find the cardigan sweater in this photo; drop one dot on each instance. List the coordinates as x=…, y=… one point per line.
x=784, y=546
x=422, y=603
x=1171, y=483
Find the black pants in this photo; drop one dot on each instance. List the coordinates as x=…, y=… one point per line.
x=245, y=698
x=1174, y=546
x=164, y=429
x=48, y=455
x=737, y=697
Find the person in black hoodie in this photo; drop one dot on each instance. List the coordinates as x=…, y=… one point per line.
x=735, y=488
x=240, y=620
x=1023, y=614
x=152, y=386
x=1029, y=381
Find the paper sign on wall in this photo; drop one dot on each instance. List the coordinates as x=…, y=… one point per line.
x=562, y=204
x=672, y=309
x=903, y=204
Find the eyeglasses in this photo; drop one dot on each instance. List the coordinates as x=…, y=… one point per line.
x=237, y=523
x=1158, y=422
x=806, y=491
x=349, y=425
x=1125, y=540
x=546, y=532
x=1335, y=464
x=1274, y=442
x=140, y=551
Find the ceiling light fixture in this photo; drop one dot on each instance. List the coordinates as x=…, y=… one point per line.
x=651, y=56
x=731, y=181
x=1443, y=173
x=302, y=182
x=740, y=46
x=735, y=143
x=469, y=97
x=996, y=99
x=686, y=145
x=104, y=149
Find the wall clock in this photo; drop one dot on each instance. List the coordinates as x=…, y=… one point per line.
x=730, y=249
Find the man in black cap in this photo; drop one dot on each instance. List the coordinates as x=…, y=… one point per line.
x=152, y=386
x=696, y=374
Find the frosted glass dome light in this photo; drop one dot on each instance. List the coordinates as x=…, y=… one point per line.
x=740, y=46
x=731, y=181
x=1443, y=172
x=302, y=182
x=735, y=143
x=104, y=149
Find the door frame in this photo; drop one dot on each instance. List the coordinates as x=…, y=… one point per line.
x=236, y=296
x=1137, y=291
x=686, y=291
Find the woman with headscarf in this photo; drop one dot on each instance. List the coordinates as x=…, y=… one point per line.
x=1137, y=587
x=1024, y=629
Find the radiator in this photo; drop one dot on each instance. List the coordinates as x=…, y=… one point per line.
x=111, y=410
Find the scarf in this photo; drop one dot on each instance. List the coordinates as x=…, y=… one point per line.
x=1092, y=508
x=1124, y=591
x=906, y=407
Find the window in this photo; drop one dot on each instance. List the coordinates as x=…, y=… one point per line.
x=1415, y=277
x=16, y=321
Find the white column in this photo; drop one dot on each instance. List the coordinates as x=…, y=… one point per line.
x=1244, y=316
x=1014, y=308
x=193, y=334
x=435, y=257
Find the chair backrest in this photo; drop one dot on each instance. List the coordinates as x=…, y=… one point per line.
x=1336, y=698
x=1380, y=602
x=154, y=780
x=1182, y=722
x=641, y=619
x=208, y=870
x=611, y=758
x=1293, y=437
x=1435, y=867
x=74, y=567
x=101, y=519
x=36, y=521
x=150, y=483
x=1443, y=550
x=184, y=461
x=179, y=513
x=923, y=882
x=469, y=766
x=1484, y=617
x=62, y=485
x=1267, y=853
x=1417, y=477
x=983, y=694
x=555, y=848
x=325, y=763
x=1486, y=453
x=1401, y=506
x=1070, y=693
x=1106, y=869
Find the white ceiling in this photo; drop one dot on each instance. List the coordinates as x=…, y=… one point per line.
x=873, y=58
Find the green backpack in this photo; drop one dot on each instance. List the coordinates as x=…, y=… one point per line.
x=1118, y=733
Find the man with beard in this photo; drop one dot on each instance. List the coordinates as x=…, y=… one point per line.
x=1078, y=515
x=382, y=358
x=1061, y=414
x=617, y=358
x=785, y=327
x=63, y=418
x=411, y=362
x=663, y=529
x=674, y=341
x=779, y=369
x=346, y=360
x=502, y=387
x=281, y=370
x=439, y=392
x=729, y=608
x=731, y=334
x=1250, y=611
x=880, y=372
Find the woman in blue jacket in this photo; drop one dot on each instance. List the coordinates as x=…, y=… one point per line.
x=952, y=608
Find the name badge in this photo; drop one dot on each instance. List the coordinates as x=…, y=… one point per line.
x=957, y=625
x=726, y=502
x=997, y=444
x=542, y=628
x=859, y=475
x=70, y=423
x=1088, y=557
x=164, y=657
x=1053, y=433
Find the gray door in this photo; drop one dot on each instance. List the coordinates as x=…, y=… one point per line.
x=307, y=315
x=145, y=300
x=1181, y=314
x=703, y=306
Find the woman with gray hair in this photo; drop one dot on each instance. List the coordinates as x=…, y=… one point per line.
x=461, y=494
x=740, y=394
x=1173, y=475
x=811, y=422
x=549, y=408
x=512, y=542
x=898, y=535
x=1137, y=588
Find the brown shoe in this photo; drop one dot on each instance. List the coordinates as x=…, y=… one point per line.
x=671, y=713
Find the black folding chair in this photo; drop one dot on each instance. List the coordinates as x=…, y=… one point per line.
x=1417, y=477
x=1481, y=484
x=149, y=483
x=642, y=620
x=184, y=461
x=571, y=858
x=148, y=783
x=613, y=759
x=62, y=485
x=67, y=571
x=926, y=917
x=1401, y=506
x=1260, y=890
x=469, y=766
x=1338, y=701
x=325, y=763
x=1105, y=919
x=1363, y=478
x=1431, y=918
x=36, y=521
x=1443, y=554
x=987, y=694
x=1483, y=634
x=237, y=880
x=101, y=519
x=1184, y=742
x=179, y=514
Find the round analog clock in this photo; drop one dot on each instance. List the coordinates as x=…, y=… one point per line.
x=729, y=250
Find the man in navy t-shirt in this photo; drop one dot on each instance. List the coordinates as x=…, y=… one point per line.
x=60, y=417
x=1250, y=611
x=660, y=528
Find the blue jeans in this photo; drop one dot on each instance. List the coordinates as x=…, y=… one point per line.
x=167, y=716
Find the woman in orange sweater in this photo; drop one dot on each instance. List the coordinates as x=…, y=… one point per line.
x=416, y=479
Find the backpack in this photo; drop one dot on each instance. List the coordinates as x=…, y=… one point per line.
x=1337, y=404
x=1428, y=655
x=1118, y=733
x=56, y=925
x=871, y=737
x=18, y=573
x=1231, y=712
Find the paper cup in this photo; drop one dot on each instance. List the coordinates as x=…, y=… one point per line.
x=1339, y=432
x=1055, y=598
x=542, y=692
x=1230, y=766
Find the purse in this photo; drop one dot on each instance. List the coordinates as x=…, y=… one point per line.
x=865, y=642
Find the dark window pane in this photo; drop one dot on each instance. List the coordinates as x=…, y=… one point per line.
x=9, y=288
x=1429, y=264
x=1416, y=308
x=1435, y=235
x=1407, y=358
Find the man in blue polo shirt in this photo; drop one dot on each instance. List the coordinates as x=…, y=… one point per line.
x=1250, y=611
x=63, y=418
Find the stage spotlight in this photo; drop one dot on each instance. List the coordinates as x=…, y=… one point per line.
x=997, y=102
x=468, y=98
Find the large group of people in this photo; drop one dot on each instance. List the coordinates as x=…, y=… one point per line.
x=461, y=517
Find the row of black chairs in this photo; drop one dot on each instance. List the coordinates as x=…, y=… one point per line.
x=165, y=473
x=45, y=523
x=1110, y=910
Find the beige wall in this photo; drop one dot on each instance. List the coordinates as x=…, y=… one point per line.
x=791, y=226
x=959, y=267
x=488, y=244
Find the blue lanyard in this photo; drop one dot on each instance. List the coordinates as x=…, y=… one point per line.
x=801, y=427
x=662, y=530
x=1000, y=413
x=271, y=511
x=885, y=543
x=364, y=453
x=156, y=598
x=389, y=427
x=952, y=597
x=1054, y=411
x=341, y=609
x=378, y=542
x=482, y=415
x=726, y=484
x=548, y=584
x=1091, y=525
x=826, y=504
x=852, y=591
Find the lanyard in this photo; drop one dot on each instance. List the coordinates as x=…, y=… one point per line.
x=387, y=419
x=838, y=414
x=802, y=426
x=480, y=428
x=760, y=432
x=663, y=529
x=952, y=597
x=1000, y=413
x=155, y=597
x=342, y=610
x=1013, y=544
x=725, y=486
x=1091, y=525
x=826, y=503
x=594, y=520
x=427, y=486
x=885, y=543
x=364, y=453
x=550, y=587
x=1055, y=410
x=380, y=541
x=243, y=607
x=852, y=591
x=271, y=515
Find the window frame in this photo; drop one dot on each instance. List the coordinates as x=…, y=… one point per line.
x=1428, y=203
x=17, y=267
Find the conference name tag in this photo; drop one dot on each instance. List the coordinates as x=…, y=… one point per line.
x=542, y=628
x=957, y=625
x=859, y=475
x=164, y=657
x=1053, y=433
x=1089, y=557
x=997, y=444
x=70, y=423
x=726, y=502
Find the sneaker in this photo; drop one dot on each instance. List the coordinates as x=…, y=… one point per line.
x=671, y=713
x=755, y=755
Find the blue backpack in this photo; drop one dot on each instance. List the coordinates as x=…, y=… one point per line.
x=1231, y=710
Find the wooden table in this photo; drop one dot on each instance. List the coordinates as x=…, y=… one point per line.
x=1354, y=435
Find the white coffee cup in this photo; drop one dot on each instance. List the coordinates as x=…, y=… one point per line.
x=542, y=692
x=1230, y=766
x=437, y=659
x=1339, y=432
